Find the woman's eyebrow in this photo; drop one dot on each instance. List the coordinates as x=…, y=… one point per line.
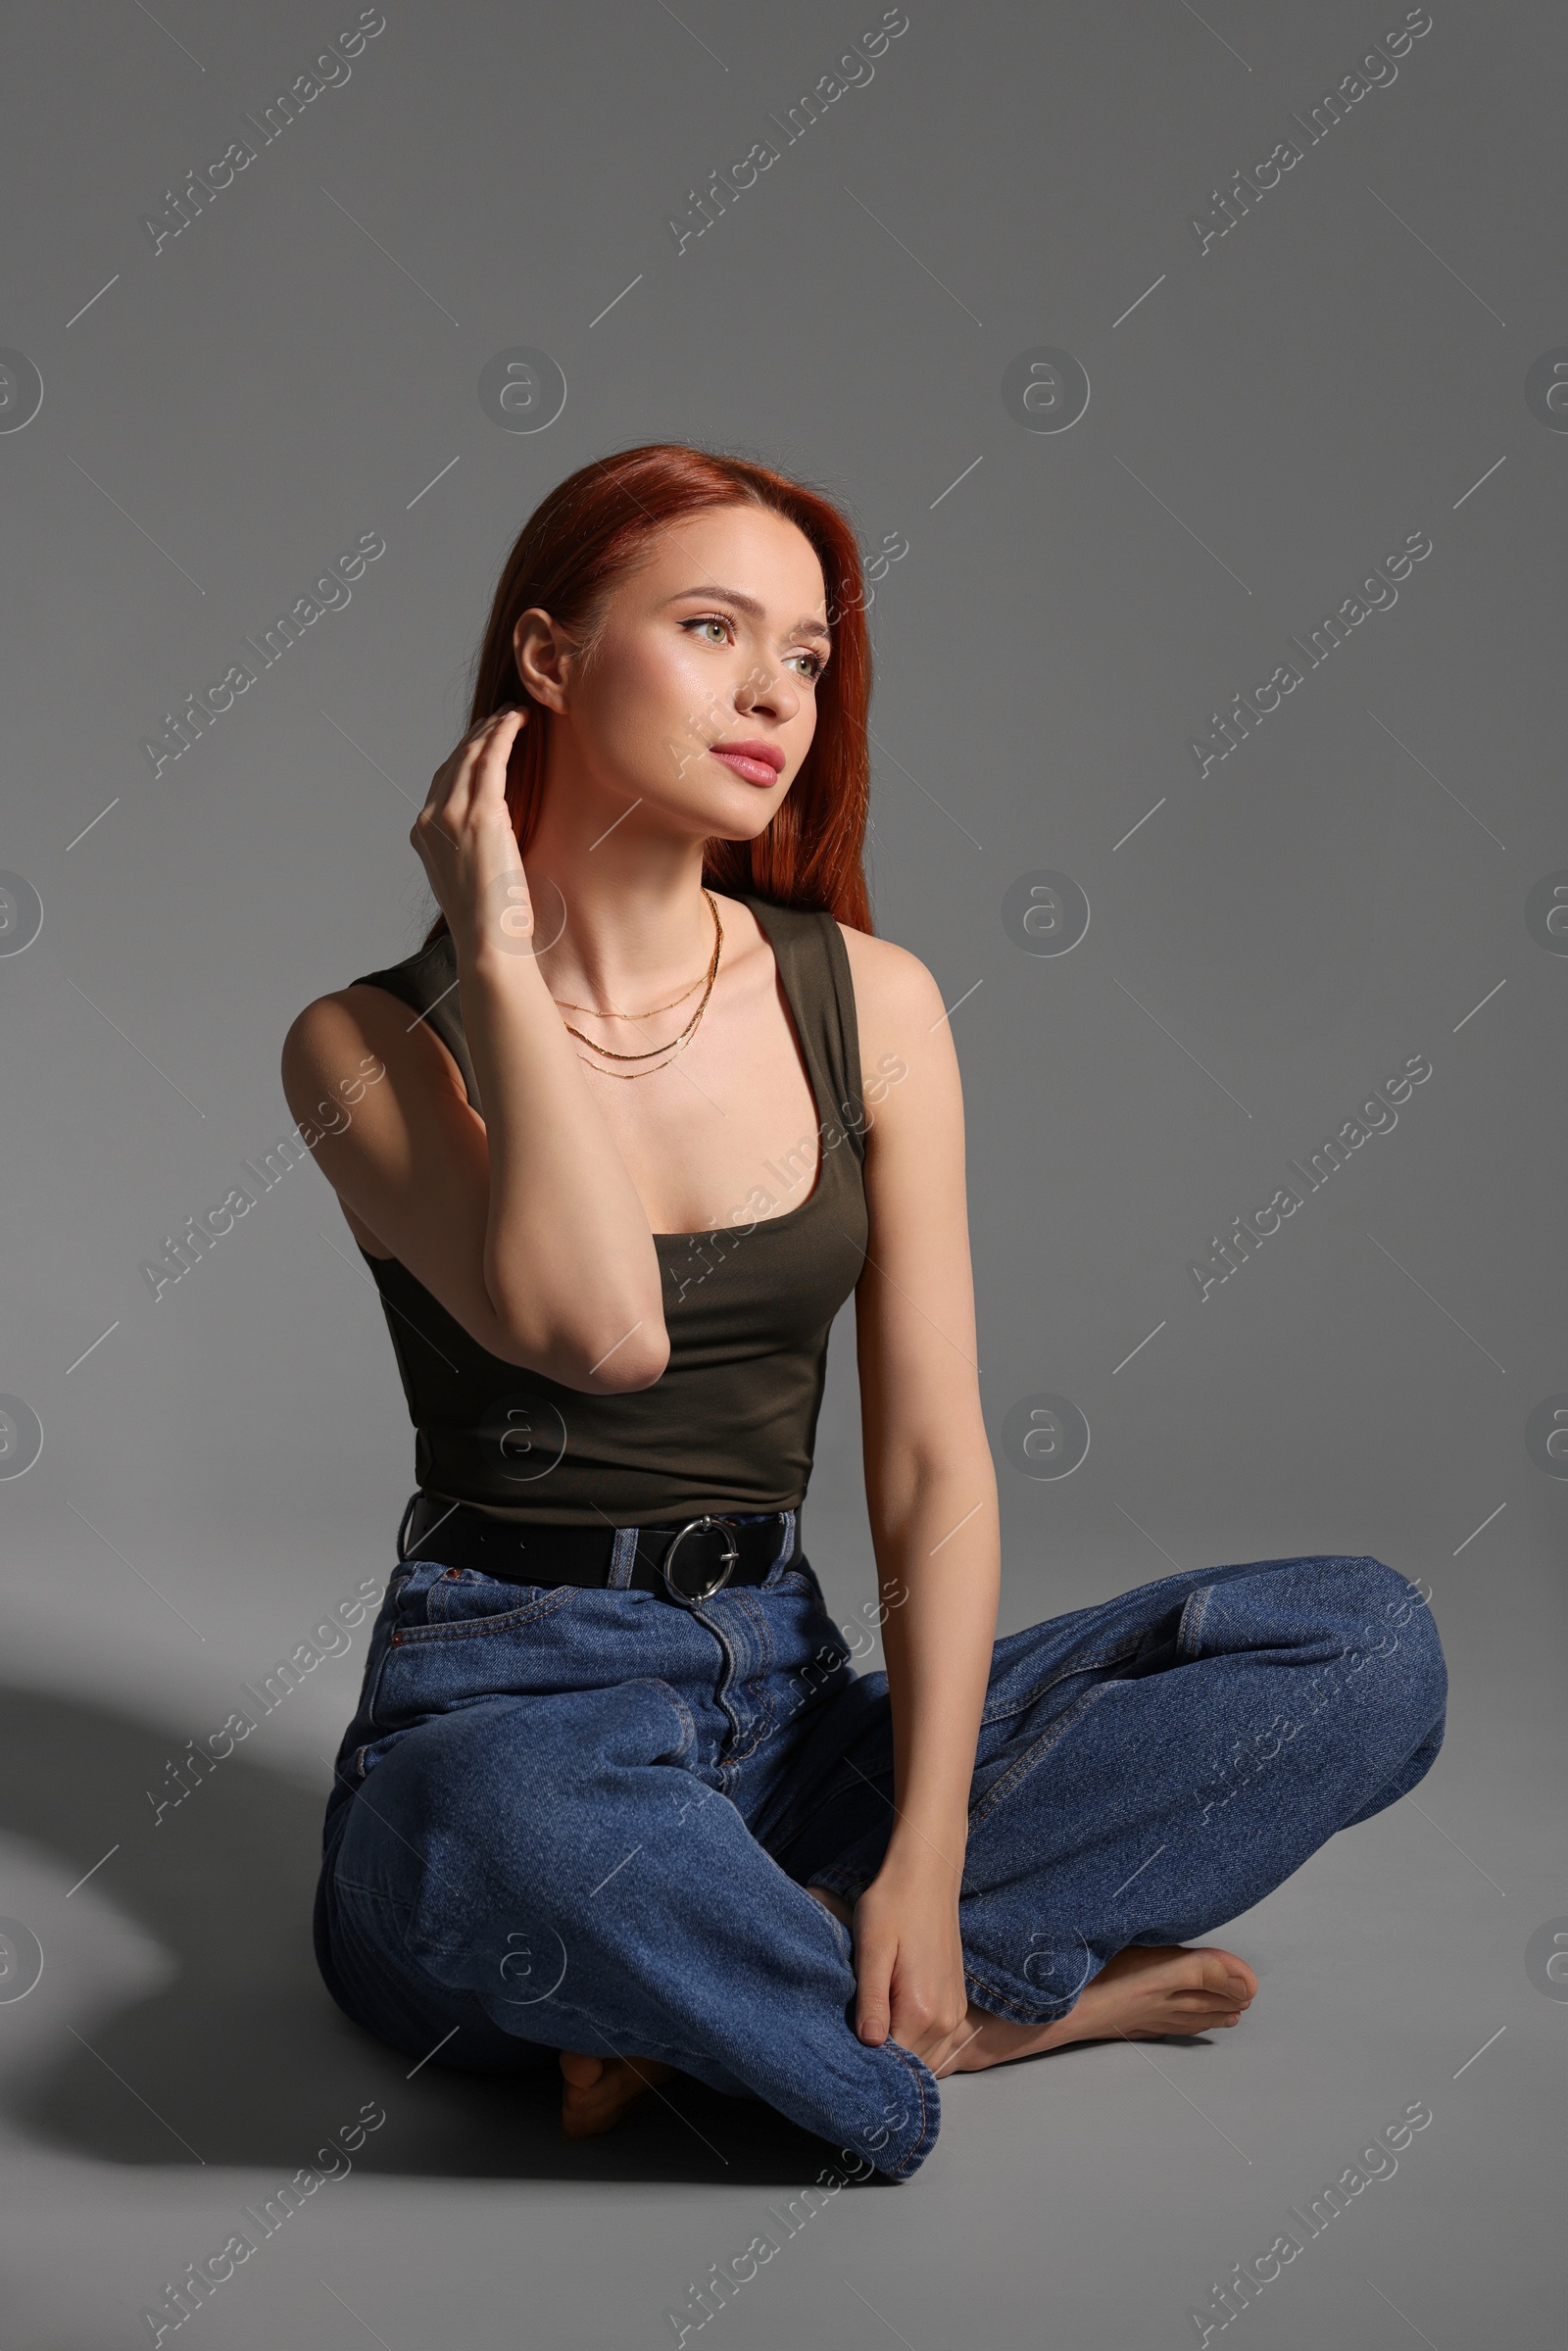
x=807, y=627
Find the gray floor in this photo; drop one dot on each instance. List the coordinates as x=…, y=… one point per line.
x=179, y=2059
x=1365, y=353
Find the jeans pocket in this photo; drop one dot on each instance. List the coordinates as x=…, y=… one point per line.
x=456, y=1604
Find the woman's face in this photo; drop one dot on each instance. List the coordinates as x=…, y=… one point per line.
x=714, y=643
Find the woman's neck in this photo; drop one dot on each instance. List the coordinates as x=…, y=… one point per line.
x=625, y=914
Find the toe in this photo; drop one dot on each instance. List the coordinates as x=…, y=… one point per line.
x=1223, y=1972
x=1217, y=2022
x=580, y=2069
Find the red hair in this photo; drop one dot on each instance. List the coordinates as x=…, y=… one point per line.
x=572, y=554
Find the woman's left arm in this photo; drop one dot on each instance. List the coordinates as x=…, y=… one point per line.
x=931, y=1493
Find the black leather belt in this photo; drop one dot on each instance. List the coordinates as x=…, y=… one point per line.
x=688, y=1563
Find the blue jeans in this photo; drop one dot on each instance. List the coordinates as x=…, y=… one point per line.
x=570, y=1818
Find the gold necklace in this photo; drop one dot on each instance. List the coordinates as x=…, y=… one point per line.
x=672, y=1045
x=628, y=1077
x=566, y=1005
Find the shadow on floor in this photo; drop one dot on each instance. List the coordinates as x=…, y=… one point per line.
x=243, y=2058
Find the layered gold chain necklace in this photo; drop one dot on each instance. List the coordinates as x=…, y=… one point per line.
x=672, y=1046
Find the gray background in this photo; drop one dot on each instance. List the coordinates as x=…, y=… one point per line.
x=219, y=420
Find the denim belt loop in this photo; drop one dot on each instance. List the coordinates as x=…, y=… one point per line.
x=622, y=1559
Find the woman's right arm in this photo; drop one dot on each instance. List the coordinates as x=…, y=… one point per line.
x=523, y=1223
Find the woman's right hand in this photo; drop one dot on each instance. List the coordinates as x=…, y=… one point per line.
x=468, y=843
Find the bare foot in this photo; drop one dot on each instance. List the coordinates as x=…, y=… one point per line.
x=599, y=2089
x=1142, y=1994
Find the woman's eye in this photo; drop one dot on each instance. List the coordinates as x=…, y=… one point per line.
x=714, y=620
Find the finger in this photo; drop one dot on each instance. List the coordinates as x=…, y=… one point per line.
x=451, y=785
x=490, y=762
x=471, y=734
x=480, y=768
x=464, y=784
x=474, y=823
x=508, y=721
x=873, y=2007
x=508, y=709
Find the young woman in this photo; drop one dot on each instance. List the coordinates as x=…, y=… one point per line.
x=655, y=1101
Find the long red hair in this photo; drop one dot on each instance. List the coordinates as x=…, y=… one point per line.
x=569, y=555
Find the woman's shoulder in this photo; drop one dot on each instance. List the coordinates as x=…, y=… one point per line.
x=892, y=986
x=413, y=982
x=368, y=1018
x=899, y=1014
x=418, y=978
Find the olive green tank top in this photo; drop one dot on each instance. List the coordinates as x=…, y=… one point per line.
x=730, y=1424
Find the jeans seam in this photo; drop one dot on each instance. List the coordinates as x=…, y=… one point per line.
x=375, y=1678
x=665, y=1690
x=928, y=2134
x=1124, y=1649
x=1023, y=1764
x=1189, y=1631
x=800, y=1816
x=743, y=1754
x=998, y=2003
x=760, y=1706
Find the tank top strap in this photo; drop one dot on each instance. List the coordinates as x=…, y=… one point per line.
x=814, y=968
x=427, y=983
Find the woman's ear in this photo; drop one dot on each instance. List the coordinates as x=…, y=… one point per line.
x=543, y=655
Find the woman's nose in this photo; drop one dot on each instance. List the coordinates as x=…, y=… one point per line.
x=772, y=693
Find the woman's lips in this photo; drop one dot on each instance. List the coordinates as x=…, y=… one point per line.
x=754, y=771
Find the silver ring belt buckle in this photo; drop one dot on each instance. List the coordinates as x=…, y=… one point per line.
x=727, y=1561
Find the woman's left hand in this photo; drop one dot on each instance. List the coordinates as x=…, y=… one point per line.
x=908, y=1958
